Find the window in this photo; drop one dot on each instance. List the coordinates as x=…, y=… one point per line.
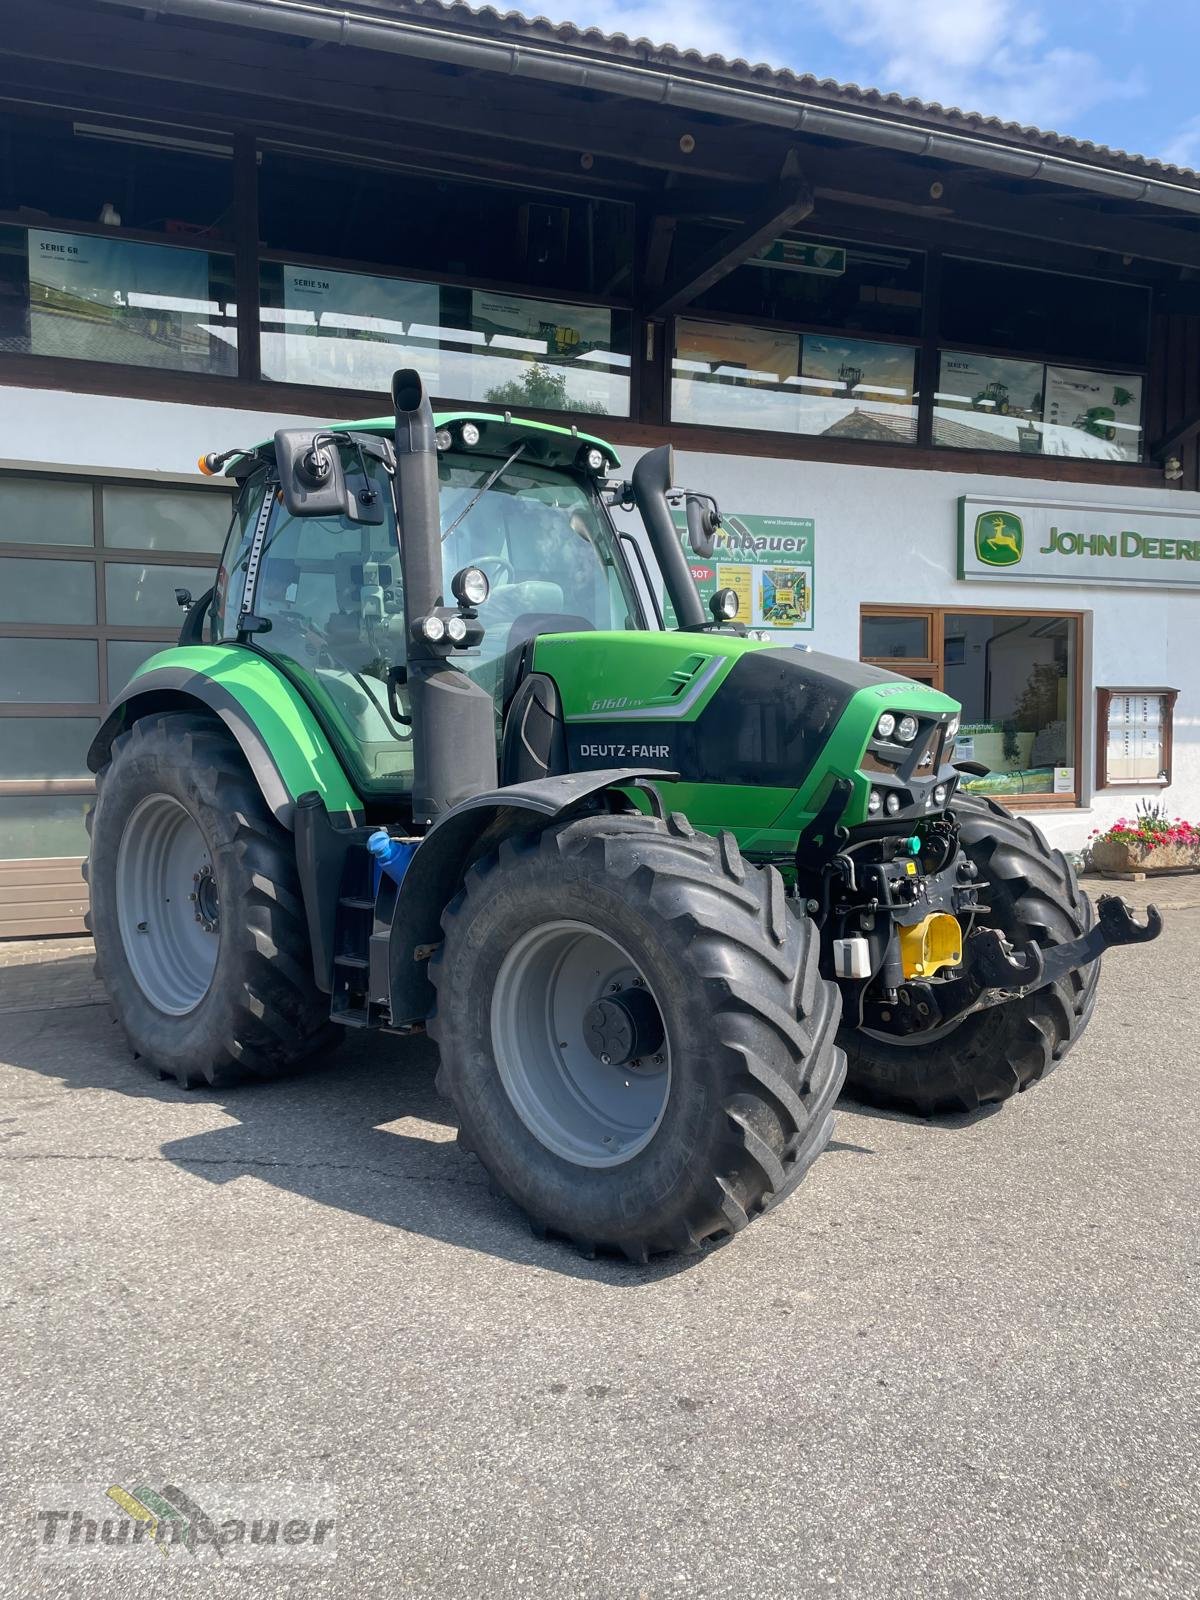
x=734, y=376
x=97, y=297
x=1088, y=320
x=84, y=170
x=823, y=283
x=1134, y=729
x=1016, y=676
x=352, y=330
x=445, y=227
x=993, y=403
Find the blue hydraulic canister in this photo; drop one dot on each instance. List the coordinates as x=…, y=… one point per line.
x=391, y=855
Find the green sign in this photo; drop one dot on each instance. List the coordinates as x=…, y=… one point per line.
x=766, y=561
x=804, y=255
x=999, y=538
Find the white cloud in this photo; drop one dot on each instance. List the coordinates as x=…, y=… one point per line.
x=1184, y=149
x=711, y=26
x=980, y=55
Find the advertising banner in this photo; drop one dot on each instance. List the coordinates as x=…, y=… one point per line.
x=114, y=300
x=767, y=561
x=350, y=329
x=1092, y=413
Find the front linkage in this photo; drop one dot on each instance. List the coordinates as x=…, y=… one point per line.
x=898, y=911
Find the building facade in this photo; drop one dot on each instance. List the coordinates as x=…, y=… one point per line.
x=943, y=377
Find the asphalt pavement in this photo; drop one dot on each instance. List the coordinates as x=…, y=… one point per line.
x=963, y=1360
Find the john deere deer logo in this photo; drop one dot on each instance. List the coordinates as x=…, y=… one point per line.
x=999, y=538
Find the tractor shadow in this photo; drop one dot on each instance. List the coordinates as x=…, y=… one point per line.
x=363, y=1131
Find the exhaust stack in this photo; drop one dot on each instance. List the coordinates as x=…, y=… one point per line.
x=651, y=479
x=454, y=722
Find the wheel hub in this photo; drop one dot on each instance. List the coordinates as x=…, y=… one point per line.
x=623, y=1028
x=205, y=898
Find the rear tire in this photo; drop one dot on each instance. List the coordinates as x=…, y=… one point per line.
x=748, y=1066
x=993, y=1054
x=222, y=991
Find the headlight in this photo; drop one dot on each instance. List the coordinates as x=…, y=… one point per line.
x=433, y=629
x=874, y=803
x=952, y=728
x=886, y=726
x=469, y=433
x=470, y=586
x=893, y=804
x=939, y=795
x=906, y=732
x=456, y=627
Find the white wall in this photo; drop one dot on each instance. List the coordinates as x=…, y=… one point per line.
x=882, y=535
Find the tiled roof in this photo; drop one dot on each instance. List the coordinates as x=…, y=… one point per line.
x=618, y=47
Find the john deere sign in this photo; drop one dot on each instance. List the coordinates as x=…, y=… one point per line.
x=1074, y=542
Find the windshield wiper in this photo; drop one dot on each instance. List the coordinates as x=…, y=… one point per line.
x=483, y=489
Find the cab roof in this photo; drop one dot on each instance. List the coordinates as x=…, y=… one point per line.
x=549, y=443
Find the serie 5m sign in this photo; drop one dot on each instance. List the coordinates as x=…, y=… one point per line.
x=1072, y=541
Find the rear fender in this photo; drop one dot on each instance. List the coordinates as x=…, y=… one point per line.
x=275, y=730
x=409, y=915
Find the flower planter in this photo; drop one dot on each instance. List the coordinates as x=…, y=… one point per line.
x=1120, y=856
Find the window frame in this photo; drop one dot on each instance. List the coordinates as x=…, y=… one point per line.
x=1105, y=694
x=933, y=671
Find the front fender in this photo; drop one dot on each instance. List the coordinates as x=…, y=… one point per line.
x=275, y=730
x=398, y=960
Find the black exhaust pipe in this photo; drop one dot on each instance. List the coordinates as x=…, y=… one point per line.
x=454, y=721
x=652, y=477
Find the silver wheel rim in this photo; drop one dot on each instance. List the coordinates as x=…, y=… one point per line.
x=590, y=1112
x=168, y=909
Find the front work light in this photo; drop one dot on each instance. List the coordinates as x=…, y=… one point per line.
x=433, y=629
x=470, y=586
x=724, y=605
x=443, y=438
x=874, y=803
x=469, y=432
x=893, y=804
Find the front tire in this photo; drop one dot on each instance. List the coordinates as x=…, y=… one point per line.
x=992, y=1054
x=698, y=1106
x=201, y=939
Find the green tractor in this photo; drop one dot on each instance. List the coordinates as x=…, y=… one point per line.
x=426, y=757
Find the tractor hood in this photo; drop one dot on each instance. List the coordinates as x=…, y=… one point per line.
x=725, y=712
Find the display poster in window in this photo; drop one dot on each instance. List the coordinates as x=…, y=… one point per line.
x=866, y=389
x=350, y=330
x=103, y=299
x=1092, y=414
x=545, y=354
x=730, y=376
x=767, y=561
x=988, y=403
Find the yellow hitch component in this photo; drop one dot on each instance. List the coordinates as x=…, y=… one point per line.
x=931, y=944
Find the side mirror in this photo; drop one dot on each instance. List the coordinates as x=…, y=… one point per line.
x=724, y=605
x=703, y=520
x=311, y=478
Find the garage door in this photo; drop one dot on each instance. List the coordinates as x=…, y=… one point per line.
x=88, y=571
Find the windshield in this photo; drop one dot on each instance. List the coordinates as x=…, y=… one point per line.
x=332, y=591
x=540, y=533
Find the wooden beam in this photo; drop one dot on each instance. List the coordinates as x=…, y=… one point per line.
x=792, y=202
x=1178, y=436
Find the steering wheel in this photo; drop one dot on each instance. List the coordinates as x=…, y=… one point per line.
x=486, y=563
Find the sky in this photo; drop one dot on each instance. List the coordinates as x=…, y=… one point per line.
x=1120, y=72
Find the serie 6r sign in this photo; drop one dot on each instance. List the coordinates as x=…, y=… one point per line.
x=1073, y=541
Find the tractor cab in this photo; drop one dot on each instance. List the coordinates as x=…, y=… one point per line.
x=313, y=575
